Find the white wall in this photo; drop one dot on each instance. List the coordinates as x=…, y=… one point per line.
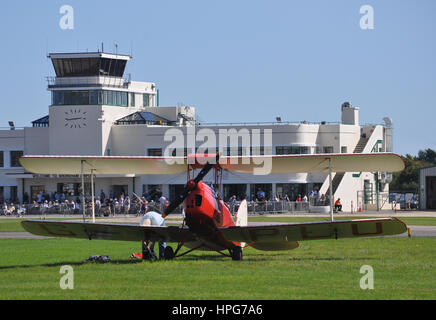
x=36, y=141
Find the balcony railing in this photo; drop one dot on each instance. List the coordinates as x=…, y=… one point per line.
x=101, y=81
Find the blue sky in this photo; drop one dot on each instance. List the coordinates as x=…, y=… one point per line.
x=242, y=60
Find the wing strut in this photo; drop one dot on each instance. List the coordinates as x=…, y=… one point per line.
x=92, y=195
x=331, y=189
x=83, y=188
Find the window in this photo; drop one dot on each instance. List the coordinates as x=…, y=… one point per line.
x=235, y=151
x=35, y=190
x=152, y=191
x=2, y=161
x=260, y=151
x=154, y=152
x=93, y=97
x=280, y=150
x=123, y=98
x=205, y=149
x=69, y=189
x=118, y=100
x=15, y=155
x=132, y=99
x=257, y=151
x=73, y=188
x=300, y=150
x=89, y=97
x=344, y=149
x=283, y=150
x=180, y=152
x=145, y=100
x=328, y=149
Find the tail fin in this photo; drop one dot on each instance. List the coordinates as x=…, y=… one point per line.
x=242, y=214
x=242, y=217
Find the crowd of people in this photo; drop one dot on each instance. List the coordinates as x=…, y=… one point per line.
x=314, y=198
x=108, y=205
x=281, y=202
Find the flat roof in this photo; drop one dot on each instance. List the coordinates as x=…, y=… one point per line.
x=74, y=55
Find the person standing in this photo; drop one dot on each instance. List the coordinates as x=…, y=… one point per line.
x=97, y=206
x=127, y=205
x=102, y=196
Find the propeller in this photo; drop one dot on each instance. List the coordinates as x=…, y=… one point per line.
x=190, y=186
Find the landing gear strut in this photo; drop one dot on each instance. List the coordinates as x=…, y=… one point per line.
x=236, y=253
x=169, y=253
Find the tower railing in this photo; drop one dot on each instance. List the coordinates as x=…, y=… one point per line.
x=97, y=81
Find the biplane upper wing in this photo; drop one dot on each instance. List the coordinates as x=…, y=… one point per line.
x=314, y=230
x=262, y=165
x=344, y=162
x=107, y=231
x=103, y=165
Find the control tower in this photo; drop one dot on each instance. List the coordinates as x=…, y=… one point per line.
x=88, y=94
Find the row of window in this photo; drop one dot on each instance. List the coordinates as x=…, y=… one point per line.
x=87, y=67
x=94, y=97
x=157, y=152
x=280, y=150
x=14, y=156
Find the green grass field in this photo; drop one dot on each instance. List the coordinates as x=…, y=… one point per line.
x=324, y=269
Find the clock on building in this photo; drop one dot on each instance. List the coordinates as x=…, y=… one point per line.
x=75, y=118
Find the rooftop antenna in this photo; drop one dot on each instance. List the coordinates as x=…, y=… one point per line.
x=116, y=48
x=102, y=48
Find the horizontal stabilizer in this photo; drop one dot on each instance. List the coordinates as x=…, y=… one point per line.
x=107, y=231
x=315, y=230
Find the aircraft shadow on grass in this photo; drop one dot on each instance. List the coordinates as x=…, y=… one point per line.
x=70, y=263
x=190, y=257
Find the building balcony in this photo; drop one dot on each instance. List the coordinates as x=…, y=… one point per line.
x=86, y=82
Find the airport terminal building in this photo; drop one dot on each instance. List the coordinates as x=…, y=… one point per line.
x=96, y=110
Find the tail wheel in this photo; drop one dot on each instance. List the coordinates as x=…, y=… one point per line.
x=237, y=253
x=168, y=253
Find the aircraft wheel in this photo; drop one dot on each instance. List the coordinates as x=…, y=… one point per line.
x=237, y=253
x=169, y=253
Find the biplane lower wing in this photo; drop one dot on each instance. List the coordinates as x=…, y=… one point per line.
x=107, y=231
x=314, y=230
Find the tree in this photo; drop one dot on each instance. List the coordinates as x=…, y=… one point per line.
x=408, y=179
x=428, y=155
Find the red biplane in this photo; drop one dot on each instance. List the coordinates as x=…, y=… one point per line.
x=208, y=224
